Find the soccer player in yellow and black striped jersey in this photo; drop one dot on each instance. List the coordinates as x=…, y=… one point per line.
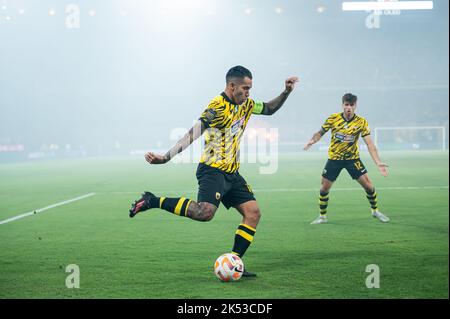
x=223, y=122
x=346, y=128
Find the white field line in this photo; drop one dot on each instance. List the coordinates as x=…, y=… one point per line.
x=295, y=190
x=40, y=210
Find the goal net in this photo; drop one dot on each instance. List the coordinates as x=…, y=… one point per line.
x=410, y=138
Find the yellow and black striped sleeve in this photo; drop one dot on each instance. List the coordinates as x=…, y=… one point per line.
x=328, y=123
x=213, y=115
x=366, y=129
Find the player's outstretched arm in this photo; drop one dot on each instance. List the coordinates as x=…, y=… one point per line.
x=194, y=133
x=316, y=137
x=382, y=167
x=274, y=105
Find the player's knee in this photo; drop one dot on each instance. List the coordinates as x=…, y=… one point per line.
x=254, y=215
x=325, y=188
x=207, y=213
x=257, y=214
x=208, y=216
x=369, y=188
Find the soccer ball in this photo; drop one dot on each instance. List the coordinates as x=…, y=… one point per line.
x=229, y=267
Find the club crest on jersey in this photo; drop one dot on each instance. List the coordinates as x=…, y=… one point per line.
x=344, y=137
x=235, y=127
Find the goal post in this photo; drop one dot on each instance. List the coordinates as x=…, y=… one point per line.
x=410, y=138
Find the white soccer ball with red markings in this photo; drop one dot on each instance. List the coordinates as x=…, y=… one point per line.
x=229, y=267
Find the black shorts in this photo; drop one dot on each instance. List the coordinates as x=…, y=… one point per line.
x=333, y=168
x=216, y=186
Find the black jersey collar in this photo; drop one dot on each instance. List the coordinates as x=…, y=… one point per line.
x=227, y=98
x=230, y=101
x=354, y=116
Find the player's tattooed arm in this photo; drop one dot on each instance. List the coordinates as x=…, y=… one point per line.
x=194, y=133
x=314, y=139
x=274, y=105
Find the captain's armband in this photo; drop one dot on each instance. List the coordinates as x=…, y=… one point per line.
x=258, y=108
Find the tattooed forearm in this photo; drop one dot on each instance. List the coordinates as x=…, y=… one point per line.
x=194, y=133
x=274, y=105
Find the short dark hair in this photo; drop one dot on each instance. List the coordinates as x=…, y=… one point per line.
x=238, y=72
x=350, y=98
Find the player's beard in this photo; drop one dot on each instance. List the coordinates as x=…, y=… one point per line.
x=240, y=99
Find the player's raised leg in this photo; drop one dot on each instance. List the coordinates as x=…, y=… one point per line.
x=179, y=206
x=323, y=201
x=372, y=196
x=245, y=233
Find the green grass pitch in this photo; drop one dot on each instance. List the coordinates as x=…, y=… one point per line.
x=159, y=255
